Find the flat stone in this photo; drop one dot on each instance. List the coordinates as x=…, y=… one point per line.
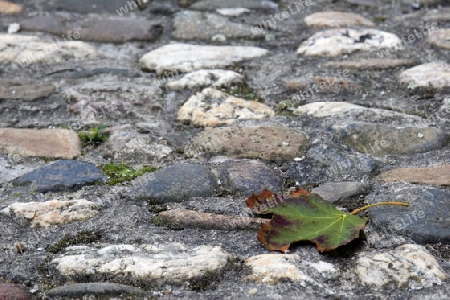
x=205, y=78
x=441, y=15
x=310, y=86
x=342, y=164
x=94, y=6
x=215, y=4
x=438, y=175
x=60, y=143
x=434, y=74
x=345, y=109
x=54, y=212
x=272, y=268
x=192, y=25
x=24, y=50
x=334, y=42
x=335, y=191
x=362, y=3
x=114, y=100
x=249, y=177
x=175, y=183
x=426, y=220
x=407, y=266
x=212, y=108
x=271, y=142
x=188, y=58
x=336, y=19
x=156, y=265
x=26, y=92
x=232, y=12
x=78, y=290
x=7, y=7
x=13, y=291
x=184, y=218
x=131, y=147
x=380, y=139
x=51, y=24
x=120, y=30
x=62, y=175
x=9, y=171
x=371, y=64
x=440, y=38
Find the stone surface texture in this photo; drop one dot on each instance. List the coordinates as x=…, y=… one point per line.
x=434, y=74
x=337, y=19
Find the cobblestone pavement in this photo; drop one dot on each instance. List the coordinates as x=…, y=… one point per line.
x=131, y=133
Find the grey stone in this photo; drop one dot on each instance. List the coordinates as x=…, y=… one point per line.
x=175, y=183
x=95, y=6
x=380, y=139
x=26, y=92
x=60, y=176
x=426, y=220
x=94, y=288
x=214, y=4
x=50, y=24
x=336, y=191
x=191, y=25
x=249, y=176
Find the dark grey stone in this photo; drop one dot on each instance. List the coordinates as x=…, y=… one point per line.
x=94, y=6
x=62, y=175
x=249, y=176
x=426, y=220
x=95, y=289
x=175, y=183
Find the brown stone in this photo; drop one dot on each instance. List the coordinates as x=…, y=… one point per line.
x=371, y=64
x=10, y=8
x=12, y=291
x=336, y=19
x=439, y=175
x=61, y=143
x=270, y=142
x=26, y=92
x=194, y=219
x=440, y=38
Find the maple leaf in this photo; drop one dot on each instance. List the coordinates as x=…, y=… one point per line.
x=304, y=217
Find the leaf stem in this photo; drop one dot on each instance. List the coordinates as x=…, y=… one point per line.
x=378, y=204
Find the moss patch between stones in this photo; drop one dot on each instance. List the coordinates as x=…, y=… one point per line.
x=83, y=237
x=122, y=172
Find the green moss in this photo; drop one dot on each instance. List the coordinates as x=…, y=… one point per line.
x=17, y=194
x=164, y=222
x=242, y=90
x=95, y=136
x=83, y=237
x=379, y=18
x=122, y=172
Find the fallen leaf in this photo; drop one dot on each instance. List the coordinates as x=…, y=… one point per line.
x=303, y=217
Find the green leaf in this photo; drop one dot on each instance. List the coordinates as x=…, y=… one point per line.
x=304, y=217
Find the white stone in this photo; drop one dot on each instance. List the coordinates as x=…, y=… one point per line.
x=326, y=270
x=433, y=74
x=336, y=19
x=13, y=28
x=187, y=58
x=211, y=108
x=270, y=268
x=334, y=42
x=44, y=214
x=25, y=50
x=165, y=263
x=205, y=78
x=232, y=12
x=408, y=265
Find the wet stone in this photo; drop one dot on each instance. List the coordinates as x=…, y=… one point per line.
x=26, y=92
x=426, y=220
x=13, y=291
x=54, y=212
x=434, y=74
x=191, y=25
x=249, y=177
x=335, y=191
x=270, y=142
x=175, y=183
x=337, y=19
x=371, y=64
x=215, y=4
x=79, y=290
x=438, y=175
x=62, y=175
x=188, y=58
x=440, y=38
x=156, y=265
x=58, y=143
x=380, y=139
x=407, y=266
x=212, y=107
x=334, y=42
